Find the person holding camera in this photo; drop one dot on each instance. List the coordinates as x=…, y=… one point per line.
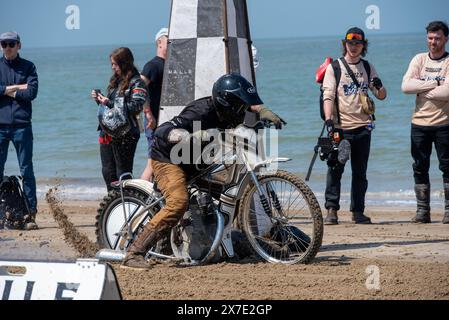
x=426, y=77
x=126, y=92
x=349, y=115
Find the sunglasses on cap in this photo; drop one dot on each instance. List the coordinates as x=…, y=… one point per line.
x=354, y=36
x=11, y=44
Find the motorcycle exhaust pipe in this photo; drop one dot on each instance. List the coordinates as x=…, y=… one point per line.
x=110, y=255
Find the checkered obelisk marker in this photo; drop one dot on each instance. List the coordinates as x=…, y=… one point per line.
x=207, y=39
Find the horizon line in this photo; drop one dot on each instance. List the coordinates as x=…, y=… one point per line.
x=253, y=40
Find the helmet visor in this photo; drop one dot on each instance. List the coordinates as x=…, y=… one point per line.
x=249, y=96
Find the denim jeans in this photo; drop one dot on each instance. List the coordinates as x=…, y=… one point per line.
x=422, y=139
x=22, y=139
x=360, y=140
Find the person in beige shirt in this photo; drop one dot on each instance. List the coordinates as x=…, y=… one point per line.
x=344, y=114
x=427, y=77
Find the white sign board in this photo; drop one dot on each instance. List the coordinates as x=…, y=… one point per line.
x=86, y=279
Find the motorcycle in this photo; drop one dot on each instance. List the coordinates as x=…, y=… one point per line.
x=276, y=211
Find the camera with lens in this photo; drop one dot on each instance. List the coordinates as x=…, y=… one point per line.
x=327, y=147
x=334, y=149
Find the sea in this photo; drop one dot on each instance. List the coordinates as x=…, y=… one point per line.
x=66, y=150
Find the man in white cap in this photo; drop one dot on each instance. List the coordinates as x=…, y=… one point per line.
x=18, y=87
x=152, y=75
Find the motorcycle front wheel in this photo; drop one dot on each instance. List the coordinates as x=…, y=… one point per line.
x=292, y=231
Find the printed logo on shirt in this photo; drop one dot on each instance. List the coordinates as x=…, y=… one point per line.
x=352, y=89
x=430, y=78
x=433, y=70
x=357, y=75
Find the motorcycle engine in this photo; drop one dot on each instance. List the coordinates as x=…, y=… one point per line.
x=192, y=238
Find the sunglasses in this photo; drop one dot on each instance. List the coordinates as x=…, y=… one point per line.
x=11, y=44
x=354, y=36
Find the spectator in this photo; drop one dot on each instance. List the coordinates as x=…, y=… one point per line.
x=427, y=77
x=345, y=114
x=125, y=86
x=152, y=75
x=18, y=87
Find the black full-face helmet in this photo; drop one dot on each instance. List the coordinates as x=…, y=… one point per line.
x=232, y=95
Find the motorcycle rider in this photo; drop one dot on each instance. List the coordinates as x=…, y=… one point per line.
x=232, y=96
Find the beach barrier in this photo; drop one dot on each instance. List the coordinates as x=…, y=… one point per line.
x=85, y=279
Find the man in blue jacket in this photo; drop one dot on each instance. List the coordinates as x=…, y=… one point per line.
x=18, y=87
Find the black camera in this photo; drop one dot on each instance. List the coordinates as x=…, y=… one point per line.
x=327, y=147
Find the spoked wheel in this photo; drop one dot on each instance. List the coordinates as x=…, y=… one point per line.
x=110, y=221
x=293, y=231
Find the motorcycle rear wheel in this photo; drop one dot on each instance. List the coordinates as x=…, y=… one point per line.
x=294, y=231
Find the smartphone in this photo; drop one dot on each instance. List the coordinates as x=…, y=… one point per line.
x=97, y=92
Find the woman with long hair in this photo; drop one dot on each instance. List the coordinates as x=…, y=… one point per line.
x=125, y=87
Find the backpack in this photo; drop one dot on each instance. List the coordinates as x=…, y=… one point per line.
x=337, y=72
x=14, y=208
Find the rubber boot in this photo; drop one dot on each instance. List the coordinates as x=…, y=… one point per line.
x=422, y=192
x=332, y=217
x=446, y=204
x=135, y=256
x=360, y=218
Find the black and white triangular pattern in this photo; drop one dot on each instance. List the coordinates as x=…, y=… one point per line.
x=207, y=39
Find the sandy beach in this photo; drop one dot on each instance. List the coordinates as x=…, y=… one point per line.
x=412, y=261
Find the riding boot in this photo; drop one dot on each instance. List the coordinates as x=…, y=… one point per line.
x=331, y=218
x=422, y=192
x=446, y=204
x=135, y=256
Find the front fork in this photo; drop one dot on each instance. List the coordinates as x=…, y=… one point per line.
x=128, y=223
x=270, y=190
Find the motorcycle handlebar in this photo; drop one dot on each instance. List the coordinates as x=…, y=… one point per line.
x=261, y=124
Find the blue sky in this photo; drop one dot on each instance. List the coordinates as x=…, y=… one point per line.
x=42, y=23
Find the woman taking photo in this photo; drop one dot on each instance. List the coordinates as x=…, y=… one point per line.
x=126, y=97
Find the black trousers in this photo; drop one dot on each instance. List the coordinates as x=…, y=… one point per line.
x=360, y=140
x=117, y=158
x=422, y=139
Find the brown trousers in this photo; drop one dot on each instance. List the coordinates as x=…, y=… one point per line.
x=171, y=180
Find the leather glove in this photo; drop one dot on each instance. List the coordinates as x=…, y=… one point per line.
x=177, y=135
x=267, y=114
x=330, y=127
x=377, y=83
